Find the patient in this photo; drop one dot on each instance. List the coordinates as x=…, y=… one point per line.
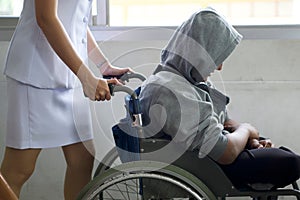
x=180, y=102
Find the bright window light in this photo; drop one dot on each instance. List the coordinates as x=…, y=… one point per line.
x=173, y=12
x=11, y=7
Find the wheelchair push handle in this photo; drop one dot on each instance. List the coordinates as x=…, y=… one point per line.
x=127, y=76
x=134, y=99
x=122, y=88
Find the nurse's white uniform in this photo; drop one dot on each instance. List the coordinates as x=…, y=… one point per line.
x=46, y=107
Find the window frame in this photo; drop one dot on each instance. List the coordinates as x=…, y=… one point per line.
x=7, y=27
x=249, y=32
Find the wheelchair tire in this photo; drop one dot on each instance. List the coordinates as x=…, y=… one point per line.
x=146, y=180
x=111, y=159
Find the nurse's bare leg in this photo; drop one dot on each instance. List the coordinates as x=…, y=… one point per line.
x=17, y=166
x=80, y=160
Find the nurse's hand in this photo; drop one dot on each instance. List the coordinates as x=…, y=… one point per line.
x=96, y=89
x=109, y=70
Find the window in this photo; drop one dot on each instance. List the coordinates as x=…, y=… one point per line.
x=11, y=7
x=173, y=12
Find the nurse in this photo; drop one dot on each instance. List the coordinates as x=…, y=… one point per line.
x=48, y=81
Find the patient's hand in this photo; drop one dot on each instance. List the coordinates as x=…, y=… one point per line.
x=266, y=143
x=231, y=125
x=257, y=144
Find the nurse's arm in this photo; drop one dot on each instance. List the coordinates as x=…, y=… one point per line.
x=48, y=21
x=94, y=52
x=99, y=59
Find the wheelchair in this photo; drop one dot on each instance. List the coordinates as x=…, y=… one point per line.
x=143, y=168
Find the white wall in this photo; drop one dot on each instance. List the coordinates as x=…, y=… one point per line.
x=261, y=77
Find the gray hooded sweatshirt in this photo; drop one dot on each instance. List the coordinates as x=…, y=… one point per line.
x=176, y=101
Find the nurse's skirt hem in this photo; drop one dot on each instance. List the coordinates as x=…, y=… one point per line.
x=20, y=147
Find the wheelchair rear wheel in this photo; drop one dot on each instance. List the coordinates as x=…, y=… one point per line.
x=141, y=180
x=110, y=160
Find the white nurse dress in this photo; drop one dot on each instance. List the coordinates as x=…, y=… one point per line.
x=46, y=107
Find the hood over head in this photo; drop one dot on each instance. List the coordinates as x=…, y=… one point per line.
x=199, y=45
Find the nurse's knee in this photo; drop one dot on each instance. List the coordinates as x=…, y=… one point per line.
x=79, y=156
x=17, y=174
x=18, y=165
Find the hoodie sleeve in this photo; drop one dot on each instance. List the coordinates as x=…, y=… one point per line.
x=185, y=115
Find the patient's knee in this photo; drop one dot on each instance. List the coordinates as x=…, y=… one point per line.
x=295, y=164
x=291, y=167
